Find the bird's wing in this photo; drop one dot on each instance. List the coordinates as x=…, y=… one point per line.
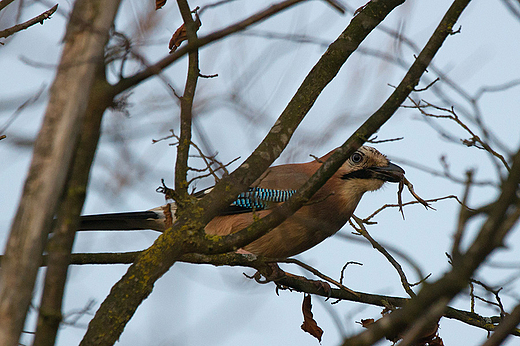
x=275, y=186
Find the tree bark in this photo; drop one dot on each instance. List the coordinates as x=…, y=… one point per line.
x=86, y=37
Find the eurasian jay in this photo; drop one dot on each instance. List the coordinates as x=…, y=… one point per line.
x=327, y=211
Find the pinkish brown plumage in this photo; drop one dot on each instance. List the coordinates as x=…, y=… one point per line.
x=328, y=210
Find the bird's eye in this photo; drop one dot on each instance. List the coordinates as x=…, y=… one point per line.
x=356, y=157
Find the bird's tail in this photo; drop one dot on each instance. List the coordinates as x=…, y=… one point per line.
x=139, y=220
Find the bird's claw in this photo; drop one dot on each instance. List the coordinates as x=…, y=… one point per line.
x=272, y=272
x=323, y=285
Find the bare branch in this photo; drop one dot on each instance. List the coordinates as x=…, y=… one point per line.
x=400, y=205
x=4, y=3
x=137, y=283
x=38, y=19
x=453, y=116
x=363, y=231
x=444, y=174
x=316, y=272
x=156, y=68
x=298, y=283
x=506, y=327
x=463, y=217
x=183, y=148
x=51, y=163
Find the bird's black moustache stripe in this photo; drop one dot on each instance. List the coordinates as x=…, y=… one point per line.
x=359, y=174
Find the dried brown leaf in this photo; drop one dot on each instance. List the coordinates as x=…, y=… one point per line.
x=365, y=323
x=430, y=337
x=436, y=341
x=159, y=4
x=409, y=185
x=180, y=35
x=309, y=325
x=416, y=196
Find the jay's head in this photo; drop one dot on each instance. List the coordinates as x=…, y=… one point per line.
x=367, y=170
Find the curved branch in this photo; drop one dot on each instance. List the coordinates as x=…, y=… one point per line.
x=183, y=148
x=137, y=283
x=51, y=163
x=127, y=83
x=500, y=221
x=38, y=19
x=297, y=283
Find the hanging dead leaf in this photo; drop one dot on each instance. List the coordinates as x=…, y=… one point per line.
x=365, y=323
x=436, y=341
x=309, y=325
x=159, y=4
x=409, y=185
x=430, y=337
x=180, y=35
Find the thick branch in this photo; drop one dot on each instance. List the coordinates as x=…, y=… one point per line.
x=138, y=282
x=297, y=283
x=60, y=244
x=499, y=222
x=50, y=166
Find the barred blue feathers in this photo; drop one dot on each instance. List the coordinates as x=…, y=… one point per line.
x=258, y=198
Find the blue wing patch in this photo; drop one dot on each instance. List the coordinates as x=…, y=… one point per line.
x=259, y=198
x=256, y=198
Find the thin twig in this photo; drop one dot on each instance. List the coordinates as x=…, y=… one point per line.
x=493, y=291
x=409, y=185
x=463, y=217
x=443, y=174
x=38, y=19
x=345, y=267
x=453, y=116
x=317, y=273
x=363, y=231
x=433, y=200
x=375, y=141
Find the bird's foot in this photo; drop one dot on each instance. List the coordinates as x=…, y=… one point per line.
x=271, y=272
x=322, y=285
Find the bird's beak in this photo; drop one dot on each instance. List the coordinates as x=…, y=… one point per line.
x=391, y=173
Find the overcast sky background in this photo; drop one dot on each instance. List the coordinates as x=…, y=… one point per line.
x=257, y=75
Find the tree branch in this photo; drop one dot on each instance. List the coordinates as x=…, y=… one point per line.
x=156, y=68
x=183, y=148
x=38, y=19
x=4, y=4
x=363, y=231
x=297, y=283
x=137, y=283
x=51, y=161
x=60, y=244
x=499, y=222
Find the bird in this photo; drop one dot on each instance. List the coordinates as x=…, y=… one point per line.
x=325, y=214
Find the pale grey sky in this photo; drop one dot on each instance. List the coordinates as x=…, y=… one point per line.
x=193, y=305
